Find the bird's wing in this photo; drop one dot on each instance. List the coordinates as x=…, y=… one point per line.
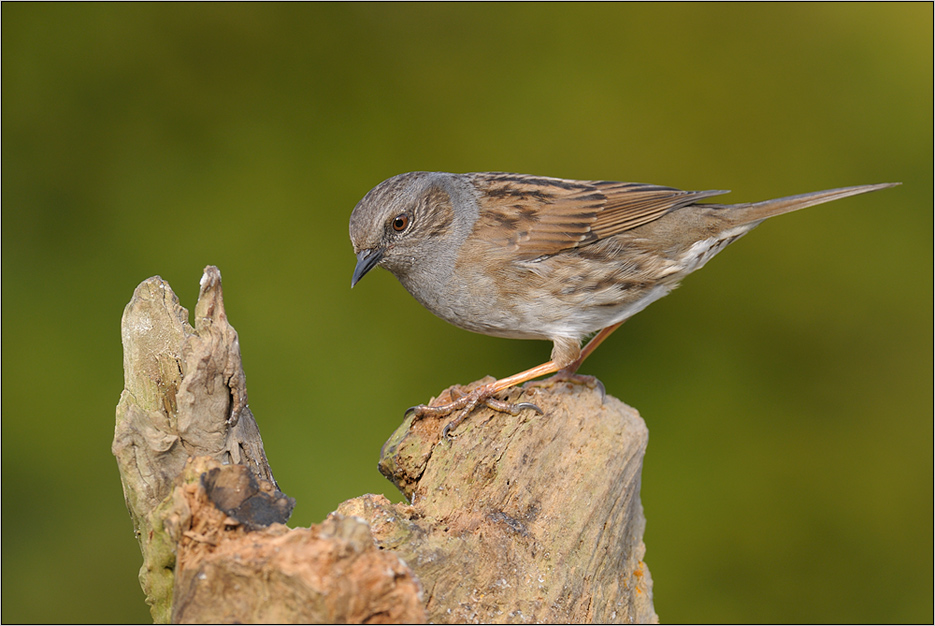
x=533, y=216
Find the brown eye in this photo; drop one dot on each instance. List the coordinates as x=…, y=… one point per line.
x=400, y=222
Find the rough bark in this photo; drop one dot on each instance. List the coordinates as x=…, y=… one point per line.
x=184, y=395
x=516, y=519
x=522, y=518
x=228, y=571
x=205, y=507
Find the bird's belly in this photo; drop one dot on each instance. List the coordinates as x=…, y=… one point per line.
x=533, y=306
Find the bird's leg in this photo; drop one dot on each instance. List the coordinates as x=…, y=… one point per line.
x=484, y=394
x=568, y=373
x=591, y=346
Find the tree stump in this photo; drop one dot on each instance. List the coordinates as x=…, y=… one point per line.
x=516, y=519
x=523, y=518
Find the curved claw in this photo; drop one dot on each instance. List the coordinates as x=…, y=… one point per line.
x=510, y=407
x=528, y=405
x=446, y=431
x=417, y=412
x=600, y=385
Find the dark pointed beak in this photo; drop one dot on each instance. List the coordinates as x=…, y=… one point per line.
x=366, y=261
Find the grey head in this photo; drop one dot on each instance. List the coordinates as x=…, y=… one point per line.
x=412, y=225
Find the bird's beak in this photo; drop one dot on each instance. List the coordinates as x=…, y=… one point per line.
x=366, y=261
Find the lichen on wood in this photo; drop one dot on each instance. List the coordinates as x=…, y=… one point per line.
x=184, y=395
x=205, y=507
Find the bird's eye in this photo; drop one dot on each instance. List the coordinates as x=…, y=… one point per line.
x=400, y=222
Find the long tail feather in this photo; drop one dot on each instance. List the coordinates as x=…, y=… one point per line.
x=757, y=211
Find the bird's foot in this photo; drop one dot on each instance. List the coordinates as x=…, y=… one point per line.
x=465, y=404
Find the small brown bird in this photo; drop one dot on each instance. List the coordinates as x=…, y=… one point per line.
x=532, y=257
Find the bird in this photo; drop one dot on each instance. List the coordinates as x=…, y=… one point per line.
x=537, y=257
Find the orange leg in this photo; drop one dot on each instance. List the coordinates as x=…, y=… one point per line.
x=484, y=394
x=591, y=346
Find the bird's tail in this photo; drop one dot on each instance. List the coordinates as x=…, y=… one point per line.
x=758, y=211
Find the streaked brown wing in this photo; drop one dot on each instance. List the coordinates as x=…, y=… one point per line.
x=536, y=216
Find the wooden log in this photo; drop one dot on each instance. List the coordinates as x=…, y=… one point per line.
x=184, y=395
x=525, y=518
x=516, y=519
x=205, y=506
x=229, y=571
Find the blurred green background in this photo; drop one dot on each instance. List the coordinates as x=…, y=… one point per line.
x=787, y=387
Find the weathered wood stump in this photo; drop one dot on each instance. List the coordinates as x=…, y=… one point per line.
x=522, y=518
x=516, y=519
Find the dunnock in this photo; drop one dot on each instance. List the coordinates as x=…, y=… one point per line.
x=531, y=257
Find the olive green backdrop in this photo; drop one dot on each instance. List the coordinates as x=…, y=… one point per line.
x=787, y=387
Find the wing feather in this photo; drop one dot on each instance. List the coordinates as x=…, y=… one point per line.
x=536, y=216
